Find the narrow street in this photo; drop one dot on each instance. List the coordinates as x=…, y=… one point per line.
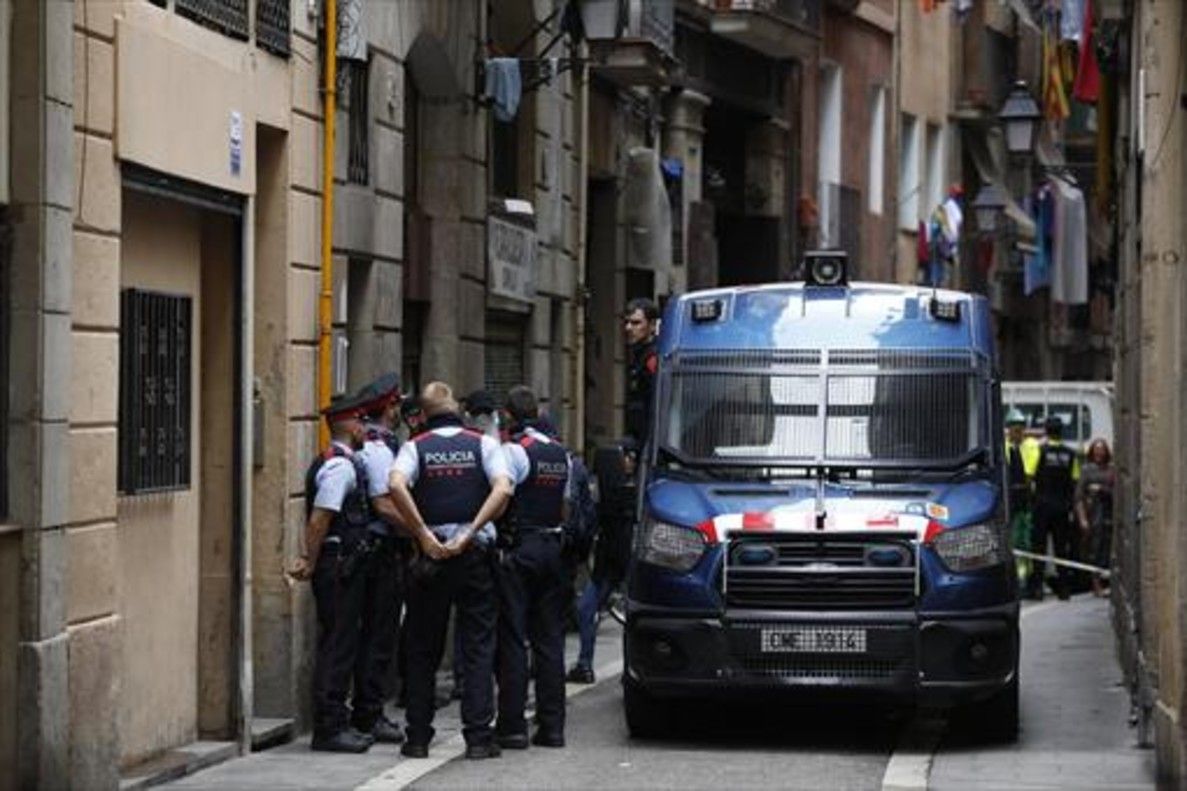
x=1074, y=736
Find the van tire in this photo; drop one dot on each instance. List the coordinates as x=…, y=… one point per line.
x=646, y=717
x=996, y=719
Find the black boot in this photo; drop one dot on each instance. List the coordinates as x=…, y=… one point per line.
x=344, y=741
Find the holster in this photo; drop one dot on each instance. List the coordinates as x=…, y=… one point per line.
x=353, y=555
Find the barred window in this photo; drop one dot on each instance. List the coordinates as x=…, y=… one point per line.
x=229, y=17
x=358, y=168
x=155, y=391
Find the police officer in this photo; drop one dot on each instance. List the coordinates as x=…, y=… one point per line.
x=455, y=481
x=639, y=324
x=338, y=515
x=482, y=413
x=412, y=415
x=1055, y=487
x=382, y=575
x=533, y=585
x=1022, y=458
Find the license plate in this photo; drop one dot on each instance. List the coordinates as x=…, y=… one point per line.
x=813, y=640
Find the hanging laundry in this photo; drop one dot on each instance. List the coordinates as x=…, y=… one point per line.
x=1087, y=85
x=1069, y=270
x=922, y=249
x=1036, y=271
x=1055, y=104
x=953, y=219
x=1071, y=19
x=504, y=87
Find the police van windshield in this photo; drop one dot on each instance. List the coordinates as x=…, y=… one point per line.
x=857, y=408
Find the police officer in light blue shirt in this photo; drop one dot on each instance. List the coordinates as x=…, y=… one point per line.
x=533, y=581
x=338, y=513
x=454, y=481
x=382, y=576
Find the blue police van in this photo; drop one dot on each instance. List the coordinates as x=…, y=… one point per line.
x=822, y=508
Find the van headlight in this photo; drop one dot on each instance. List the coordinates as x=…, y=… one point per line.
x=670, y=546
x=970, y=548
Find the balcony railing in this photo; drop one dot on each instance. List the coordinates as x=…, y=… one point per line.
x=802, y=13
x=631, y=42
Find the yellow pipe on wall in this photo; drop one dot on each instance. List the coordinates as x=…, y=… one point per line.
x=326, y=303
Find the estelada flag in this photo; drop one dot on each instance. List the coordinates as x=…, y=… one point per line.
x=1055, y=105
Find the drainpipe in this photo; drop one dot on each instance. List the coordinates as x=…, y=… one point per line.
x=326, y=303
x=243, y=536
x=582, y=233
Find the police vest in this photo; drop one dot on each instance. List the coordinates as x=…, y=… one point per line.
x=355, y=513
x=1016, y=466
x=540, y=500
x=451, y=483
x=1054, y=484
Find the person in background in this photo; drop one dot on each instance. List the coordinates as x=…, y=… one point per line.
x=1094, y=508
x=413, y=415
x=482, y=413
x=1056, y=474
x=1022, y=459
x=640, y=320
x=616, y=516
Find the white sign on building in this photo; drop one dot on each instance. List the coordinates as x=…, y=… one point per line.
x=511, y=259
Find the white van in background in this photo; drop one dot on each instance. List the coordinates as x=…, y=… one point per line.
x=1086, y=408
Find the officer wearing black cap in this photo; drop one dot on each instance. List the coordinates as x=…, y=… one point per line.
x=455, y=481
x=413, y=415
x=338, y=515
x=482, y=412
x=1054, y=495
x=382, y=576
x=533, y=584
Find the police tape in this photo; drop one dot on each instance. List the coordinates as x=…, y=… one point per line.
x=1073, y=564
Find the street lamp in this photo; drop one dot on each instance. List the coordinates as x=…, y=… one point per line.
x=1020, y=116
x=988, y=206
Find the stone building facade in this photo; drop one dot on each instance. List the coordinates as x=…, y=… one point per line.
x=160, y=326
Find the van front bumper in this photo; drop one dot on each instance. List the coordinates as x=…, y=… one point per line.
x=934, y=659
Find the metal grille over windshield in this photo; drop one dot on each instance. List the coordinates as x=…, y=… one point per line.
x=805, y=407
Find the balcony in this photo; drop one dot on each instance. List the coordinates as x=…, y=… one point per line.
x=776, y=28
x=631, y=43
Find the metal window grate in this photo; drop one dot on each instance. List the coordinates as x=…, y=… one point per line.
x=358, y=168
x=155, y=391
x=226, y=16
x=273, y=29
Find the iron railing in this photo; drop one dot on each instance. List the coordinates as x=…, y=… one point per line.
x=803, y=13
x=273, y=27
x=155, y=392
x=229, y=17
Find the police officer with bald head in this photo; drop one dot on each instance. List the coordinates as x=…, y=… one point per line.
x=453, y=482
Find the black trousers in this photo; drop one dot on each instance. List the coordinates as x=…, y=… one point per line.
x=1053, y=519
x=533, y=594
x=378, y=628
x=339, y=597
x=468, y=581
